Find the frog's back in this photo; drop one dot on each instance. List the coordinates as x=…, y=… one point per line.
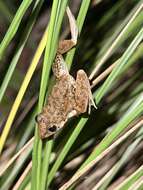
x=61, y=99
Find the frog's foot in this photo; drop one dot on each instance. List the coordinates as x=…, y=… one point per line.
x=66, y=45
x=91, y=103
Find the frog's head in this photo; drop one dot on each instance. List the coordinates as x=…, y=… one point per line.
x=46, y=128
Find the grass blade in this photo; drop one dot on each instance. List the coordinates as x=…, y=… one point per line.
x=115, y=42
x=22, y=90
x=14, y=26
x=122, y=62
x=57, y=14
x=20, y=47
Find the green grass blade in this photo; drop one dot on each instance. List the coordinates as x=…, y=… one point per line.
x=45, y=166
x=57, y=14
x=110, y=49
x=20, y=47
x=134, y=111
x=66, y=149
x=131, y=179
x=14, y=26
x=122, y=62
x=124, y=159
x=69, y=58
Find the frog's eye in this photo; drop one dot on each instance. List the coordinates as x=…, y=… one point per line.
x=52, y=129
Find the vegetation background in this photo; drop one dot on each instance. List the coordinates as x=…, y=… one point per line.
x=98, y=151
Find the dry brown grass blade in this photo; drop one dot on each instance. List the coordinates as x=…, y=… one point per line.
x=103, y=179
x=24, y=174
x=103, y=75
x=16, y=155
x=132, y=186
x=104, y=153
x=113, y=45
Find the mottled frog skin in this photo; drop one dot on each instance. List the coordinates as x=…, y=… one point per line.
x=69, y=97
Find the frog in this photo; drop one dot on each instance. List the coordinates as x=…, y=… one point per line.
x=69, y=97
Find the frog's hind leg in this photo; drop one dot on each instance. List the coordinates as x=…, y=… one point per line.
x=83, y=94
x=66, y=45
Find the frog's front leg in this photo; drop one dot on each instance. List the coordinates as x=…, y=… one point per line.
x=83, y=94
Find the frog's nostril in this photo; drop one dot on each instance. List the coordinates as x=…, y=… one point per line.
x=52, y=129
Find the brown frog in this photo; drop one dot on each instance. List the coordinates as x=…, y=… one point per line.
x=69, y=97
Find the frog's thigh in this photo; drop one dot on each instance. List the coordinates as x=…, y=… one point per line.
x=82, y=92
